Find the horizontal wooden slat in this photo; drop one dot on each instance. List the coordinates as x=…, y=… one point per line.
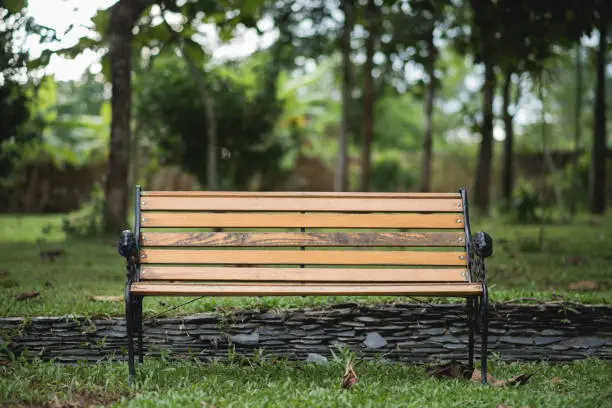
x=178, y=289
x=284, y=257
x=294, y=194
x=308, y=239
x=325, y=204
x=321, y=220
x=174, y=273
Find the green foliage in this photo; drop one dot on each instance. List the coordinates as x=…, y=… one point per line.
x=391, y=173
x=171, y=111
x=526, y=202
x=88, y=220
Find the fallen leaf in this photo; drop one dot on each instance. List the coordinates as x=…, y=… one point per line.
x=454, y=369
x=516, y=380
x=349, y=378
x=556, y=380
x=3, y=273
x=107, y=298
x=584, y=285
x=27, y=295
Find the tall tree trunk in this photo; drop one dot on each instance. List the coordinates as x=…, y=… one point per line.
x=577, y=129
x=508, y=164
x=598, y=159
x=340, y=182
x=429, y=109
x=483, y=170
x=212, y=148
x=368, y=98
x=123, y=16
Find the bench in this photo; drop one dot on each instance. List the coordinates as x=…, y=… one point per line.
x=313, y=244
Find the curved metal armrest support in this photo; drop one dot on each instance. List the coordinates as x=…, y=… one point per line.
x=128, y=248
x=481, y=248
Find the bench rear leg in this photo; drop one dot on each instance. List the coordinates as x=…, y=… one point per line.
x=138, y=323
x=484, y=329
x=130, y=325
x=471, y=315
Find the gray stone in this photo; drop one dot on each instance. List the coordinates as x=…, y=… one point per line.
x=375, y=341
x=445, y=339
x=552, y=332
x=246, y=339
x=316, y=358
x=516, y=340
x=584, y=342
x=367, y=319
x=543, y=341
x=436, y=331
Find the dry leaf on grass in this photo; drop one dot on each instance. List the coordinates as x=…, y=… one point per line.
x=454, y=369
x=556, y=380
x=27, y=295
x=107, y=298
x=516, y=380
x=584, y=285
x=349, y=378
x=3, y=273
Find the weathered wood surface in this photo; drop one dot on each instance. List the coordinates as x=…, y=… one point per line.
x=332, y=204
x=282, y=220
x=297, y=257
x=194, y=273
x=258, y=289
x=298, y=194
x=305, y=239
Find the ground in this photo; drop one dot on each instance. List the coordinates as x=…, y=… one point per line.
x=569, y=262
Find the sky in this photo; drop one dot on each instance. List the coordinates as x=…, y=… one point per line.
x=62, y=14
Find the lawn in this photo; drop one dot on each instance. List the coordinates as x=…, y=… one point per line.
x=286, y=384
x=521, y=269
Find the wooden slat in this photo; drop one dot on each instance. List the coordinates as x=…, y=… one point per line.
x=294, y=194
x=330, y=204
x=290, y=257
x=321, y=220
x=303, y=239
x=174, y=273
x=177, y=289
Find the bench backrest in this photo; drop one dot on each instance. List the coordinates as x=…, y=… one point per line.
x=302, y=237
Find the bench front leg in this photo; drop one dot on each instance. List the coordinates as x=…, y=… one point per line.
x=128, y=248
x=481, y=248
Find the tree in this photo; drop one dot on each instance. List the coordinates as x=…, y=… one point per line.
x=123, y=16
x=340, y=181
x=368, y=96
x=577, y=127
x=599, y=147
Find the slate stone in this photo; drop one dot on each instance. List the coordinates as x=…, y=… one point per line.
x=246, y=339
x=543, y=341
x=375, y=341
x=552, y=332
x=516, y=340
x=316, y=358
x=583, y=342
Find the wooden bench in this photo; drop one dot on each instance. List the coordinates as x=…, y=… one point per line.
x=313, y=244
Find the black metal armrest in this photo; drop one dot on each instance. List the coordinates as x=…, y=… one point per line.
x=128, y=248
x=483, y=244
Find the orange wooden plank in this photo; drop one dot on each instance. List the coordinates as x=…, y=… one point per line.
x=294, y=194
x=283, y=220
x=289, y=257
x=177, y=289
x=191, y=273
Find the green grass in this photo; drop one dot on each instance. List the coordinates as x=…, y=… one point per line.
x=286, y=384
x=519, y=269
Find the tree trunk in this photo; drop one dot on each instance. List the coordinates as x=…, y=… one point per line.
x=368, y=98
x=508, y=164
x=429, y=108
x=123, y=16
x=577, y=129
x=598, y=159
x=547, y=156
x=483, y=170
x=340, y=182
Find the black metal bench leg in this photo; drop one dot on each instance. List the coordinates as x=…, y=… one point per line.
x=129, y=325
x=471, y=315
x=484, y=329
x=138, y=320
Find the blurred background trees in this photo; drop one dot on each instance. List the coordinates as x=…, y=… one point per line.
x=505, y=98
